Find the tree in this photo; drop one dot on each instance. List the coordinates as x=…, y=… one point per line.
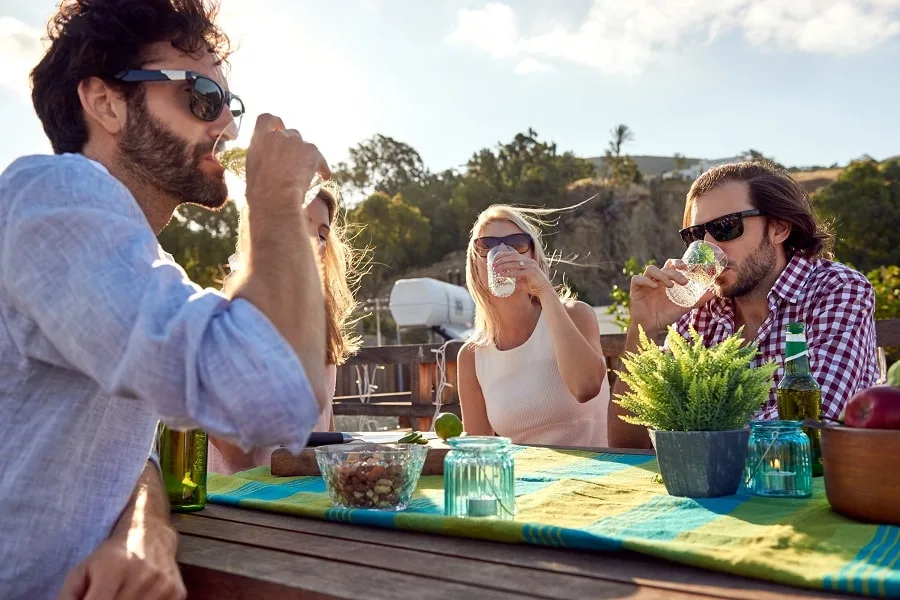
x=621, y=168
x=864, y=205
x=201, y=240
x=619, y=136
x=413, y=217
x=397, y=233
x=382, y=164
x=526, y=171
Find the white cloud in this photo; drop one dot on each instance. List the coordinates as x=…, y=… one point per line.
x=619, y=37
x=530, y=65
x=20, y=50
x=491, y=30
x=840, y=28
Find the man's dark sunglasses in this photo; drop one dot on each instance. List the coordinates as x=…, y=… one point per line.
x=520, y=242
x=208, y=99
x=723, y=229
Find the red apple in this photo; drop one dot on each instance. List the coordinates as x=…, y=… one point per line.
x=877, y=407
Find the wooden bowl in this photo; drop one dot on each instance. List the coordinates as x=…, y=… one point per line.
x=859, y=481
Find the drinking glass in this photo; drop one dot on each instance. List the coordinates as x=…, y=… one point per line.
x=500, y=286
x=703, y=262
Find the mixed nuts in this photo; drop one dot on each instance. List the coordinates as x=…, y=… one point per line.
x=369, y=482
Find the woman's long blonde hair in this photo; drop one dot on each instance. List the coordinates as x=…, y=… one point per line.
x=530, y=221
x=340, y=274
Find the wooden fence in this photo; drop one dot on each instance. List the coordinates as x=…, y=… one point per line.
x=415, y=366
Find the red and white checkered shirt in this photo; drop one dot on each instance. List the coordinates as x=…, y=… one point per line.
x=836, y=304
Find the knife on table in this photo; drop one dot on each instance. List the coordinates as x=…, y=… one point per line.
x=326, y=438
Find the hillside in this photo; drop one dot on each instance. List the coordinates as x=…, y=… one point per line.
x=651, y=166
x=815, y=180
x=639, y=221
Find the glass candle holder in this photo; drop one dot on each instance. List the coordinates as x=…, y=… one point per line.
x=478, y=478
x=778, y=462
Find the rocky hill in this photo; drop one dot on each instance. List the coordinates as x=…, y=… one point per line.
x=651, y=166
x=639, y=221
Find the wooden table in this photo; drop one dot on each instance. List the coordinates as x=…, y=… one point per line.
x=228, y=553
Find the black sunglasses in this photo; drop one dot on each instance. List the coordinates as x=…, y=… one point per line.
x=723, y=229
x=208, y=99
x=520, y=242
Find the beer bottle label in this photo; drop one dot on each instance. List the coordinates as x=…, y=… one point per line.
x=795, y=346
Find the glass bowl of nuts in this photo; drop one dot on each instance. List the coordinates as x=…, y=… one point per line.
x=376, y=476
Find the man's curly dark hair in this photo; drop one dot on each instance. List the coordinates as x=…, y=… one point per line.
x=99, y=38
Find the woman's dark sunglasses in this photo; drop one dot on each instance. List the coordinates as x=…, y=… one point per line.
x=208, y=99
x=520, y=242
x=723, y=229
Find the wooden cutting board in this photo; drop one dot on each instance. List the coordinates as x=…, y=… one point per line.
x=285, y=464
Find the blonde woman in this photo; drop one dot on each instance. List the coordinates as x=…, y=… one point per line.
x=533, y=370
x=337, y=262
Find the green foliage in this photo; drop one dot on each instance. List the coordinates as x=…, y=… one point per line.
x=620, y=307
x=864, y=205
x=434, y=211
x=691, y=387
x=397, y=231
x=620, y=168
x=201, y=240
x=886, y=284
x=525, y=171
x=382, y=164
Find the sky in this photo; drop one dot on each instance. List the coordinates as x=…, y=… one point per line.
x=808, y=82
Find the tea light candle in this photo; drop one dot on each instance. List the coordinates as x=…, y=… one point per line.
x=780, y=480
x=481, y=507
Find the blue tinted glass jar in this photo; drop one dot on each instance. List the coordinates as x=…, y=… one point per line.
x=478, y=478
x=778, y=461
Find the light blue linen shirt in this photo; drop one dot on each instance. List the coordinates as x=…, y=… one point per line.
x=101, y=335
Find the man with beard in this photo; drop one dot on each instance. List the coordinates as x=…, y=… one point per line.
x=102, y=334
x=778, y=272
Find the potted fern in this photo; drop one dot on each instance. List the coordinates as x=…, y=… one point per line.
x=697, y=403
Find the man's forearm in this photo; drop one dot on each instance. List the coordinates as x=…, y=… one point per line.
x=138, y=559
x=282, y=280
x=145, y=525
x=622, y=434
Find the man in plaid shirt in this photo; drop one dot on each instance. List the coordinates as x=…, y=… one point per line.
x=777, y=273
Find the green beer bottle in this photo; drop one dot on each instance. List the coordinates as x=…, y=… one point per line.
x=182, y=459
x=799, y=396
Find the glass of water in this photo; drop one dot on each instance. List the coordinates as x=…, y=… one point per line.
x=500, y=285
x=703, y=263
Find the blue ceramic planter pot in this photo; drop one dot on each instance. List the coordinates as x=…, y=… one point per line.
x=701, y=464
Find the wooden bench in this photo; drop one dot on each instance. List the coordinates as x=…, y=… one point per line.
x=415, y=405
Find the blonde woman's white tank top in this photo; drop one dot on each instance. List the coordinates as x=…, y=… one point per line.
x=527, y=400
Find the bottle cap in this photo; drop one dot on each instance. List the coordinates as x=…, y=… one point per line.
x=795, y=327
